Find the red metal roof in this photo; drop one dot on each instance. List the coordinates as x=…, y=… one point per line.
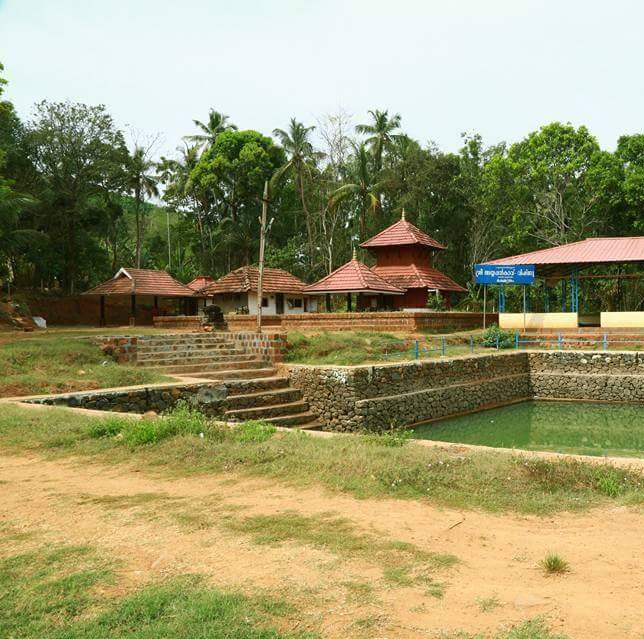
x=417, y=276
x=200, y=282
x=353, y=277
x=141, y=281
x=246, y=279
x=402, y=233
x=594, y=250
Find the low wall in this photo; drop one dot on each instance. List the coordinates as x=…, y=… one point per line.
x=634, y=319
x=208, y=397
x=173, y=322
x=613, y=377
x=538, y=320
x=381, y=396
x=403, y=321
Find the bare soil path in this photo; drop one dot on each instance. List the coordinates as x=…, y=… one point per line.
x=160, y=527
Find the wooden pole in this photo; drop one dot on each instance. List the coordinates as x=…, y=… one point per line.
x=262, y=243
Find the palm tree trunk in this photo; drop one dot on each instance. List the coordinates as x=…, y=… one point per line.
x=307, y=217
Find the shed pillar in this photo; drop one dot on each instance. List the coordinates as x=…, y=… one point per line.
x=102, y=315
x=133, y=310
x=328, y=302
x=349, y=309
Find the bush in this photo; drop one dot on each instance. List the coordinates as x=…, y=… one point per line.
x=107, y=428
x=436, y=302
x=494, y=337
x=392, y=438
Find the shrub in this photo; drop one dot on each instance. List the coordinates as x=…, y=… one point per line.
x=436, y=302
x=107, y=428
x=494, y=337
x=254, y=431
x=392, y=438
x=553, y=564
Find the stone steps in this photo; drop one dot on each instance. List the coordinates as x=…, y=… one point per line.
x=256, y=385
x=278, y=396
x=197, y=359
x=190, y=348
x=231, y=374
x=267, y=412
x=302, y=420
x=213, y=368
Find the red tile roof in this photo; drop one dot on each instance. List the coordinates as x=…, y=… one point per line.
x=417, y=276
x=353, y=277
x=402, y=233
x=141, y=281
x=592, y=250
x=200, y=282
x=246, y=279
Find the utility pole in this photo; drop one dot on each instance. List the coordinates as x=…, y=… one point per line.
x=262, y=243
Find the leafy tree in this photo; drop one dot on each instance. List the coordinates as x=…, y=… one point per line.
x=363, y=188
x=217, y=123
x=301, y=161
x=142, y=184
x=380, y=133
x=79, y=154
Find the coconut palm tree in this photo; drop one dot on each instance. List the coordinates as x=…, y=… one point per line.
x=217, y=123
x=380, y=133
x=301, y=163
x=142, y=184
x=365, y=188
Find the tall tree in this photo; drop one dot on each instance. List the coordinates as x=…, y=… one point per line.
x=380, y=133
x=142, y=184
x=363, y=188
x=217, y=123
x=301, y=162
x=79, y=155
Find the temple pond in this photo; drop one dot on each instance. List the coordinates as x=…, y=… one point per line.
x=583, y=428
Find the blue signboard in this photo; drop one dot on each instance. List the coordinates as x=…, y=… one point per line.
x=504, y=274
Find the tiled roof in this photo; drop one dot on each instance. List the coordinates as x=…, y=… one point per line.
x=353, y=277
x=415, y=276
x=141, y=281
x=592, y=250
x=402, y=233
x=246, y=279
x=200, y=282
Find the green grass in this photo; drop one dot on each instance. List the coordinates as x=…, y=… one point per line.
x=53, y=593
x=403, y=564
x=486, y=604
x=488, y=480
x=349, y=348
x=554, y=564
x=57, y=363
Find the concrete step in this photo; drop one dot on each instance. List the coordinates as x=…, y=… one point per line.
x=266, y=412
x=196, y=359
x=214, y=367
x=303, y=420
x=234, y=374
x=188, y=348
x=272, y=397
x=189, y=338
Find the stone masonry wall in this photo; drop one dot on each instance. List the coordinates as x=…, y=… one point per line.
x=380, y=396
x=610, y=376
x=123, y=348
x=270, y=346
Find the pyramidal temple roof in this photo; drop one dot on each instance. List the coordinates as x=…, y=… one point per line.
x=353, y=277
x=402, y=233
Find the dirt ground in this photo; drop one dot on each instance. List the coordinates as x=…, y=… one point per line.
x=161, y=527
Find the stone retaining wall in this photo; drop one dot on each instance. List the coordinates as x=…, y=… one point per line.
x=184, y=322
x=374, y=397
x=208, y=397
x=380, y=396
x=270, y=346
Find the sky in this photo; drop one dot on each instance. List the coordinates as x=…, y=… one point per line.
x=501, y=68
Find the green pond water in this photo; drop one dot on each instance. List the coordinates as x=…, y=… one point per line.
x=564, y=427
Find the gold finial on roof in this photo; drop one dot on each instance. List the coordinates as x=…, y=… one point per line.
x=402, y=217
x=355, y=254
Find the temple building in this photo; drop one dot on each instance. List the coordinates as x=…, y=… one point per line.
x=402, y=277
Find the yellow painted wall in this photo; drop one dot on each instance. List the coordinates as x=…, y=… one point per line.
x=633, y=319
x=538, y=320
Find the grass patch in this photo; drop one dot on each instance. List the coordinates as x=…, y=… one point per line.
x=403, y=563
x=487, y=604
x=532, y=629
x=55, y=363
x=54, y=594
x=554, y=564
x=488, y=480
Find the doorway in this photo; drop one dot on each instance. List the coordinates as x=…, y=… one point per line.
x=279, y=303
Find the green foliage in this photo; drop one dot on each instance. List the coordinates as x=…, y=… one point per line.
x=436, y=302
x=392, y=438
x=553, y=564
x=254, y=431
x=494, y=337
